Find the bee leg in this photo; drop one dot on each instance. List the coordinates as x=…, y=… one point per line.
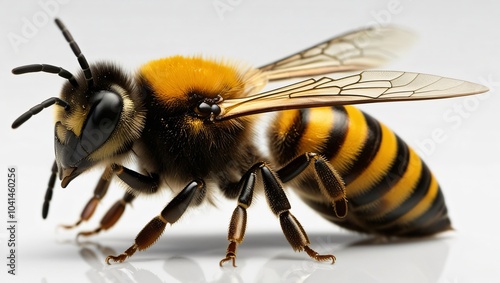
x=48, y=192
x=112, y=216
x=116, y=211
x=170, y=214
x=99, y=192
x=137, y=182
x=238, y=223
x=329, y=180
x=278, y=202
x=292, y=229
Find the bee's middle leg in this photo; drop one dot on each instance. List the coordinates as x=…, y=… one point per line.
x=238, y=223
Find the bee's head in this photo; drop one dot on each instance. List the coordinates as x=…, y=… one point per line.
x=100, y=114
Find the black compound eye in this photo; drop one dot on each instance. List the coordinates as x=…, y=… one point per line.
x=107, y=107
x=102, y=120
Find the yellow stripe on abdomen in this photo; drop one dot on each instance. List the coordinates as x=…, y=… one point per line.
x=400, y=192
x=423, y=205
x=379, y=166
x=354, y=141
x=319, y=124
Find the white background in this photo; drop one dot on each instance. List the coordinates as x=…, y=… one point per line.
x=458, y=39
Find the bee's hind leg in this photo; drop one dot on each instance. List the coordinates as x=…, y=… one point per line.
x=329, y=180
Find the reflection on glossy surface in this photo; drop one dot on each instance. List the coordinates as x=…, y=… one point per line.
x=398, y=261
x=101, y=272
x=187, y=270
x=361, y=260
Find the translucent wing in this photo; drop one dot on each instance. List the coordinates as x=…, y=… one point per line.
x=358, y=50
x=365, y=87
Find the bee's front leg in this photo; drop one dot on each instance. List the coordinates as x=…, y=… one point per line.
x=170, y=214
x=99, y=192
x=112, y=216
x=115, y=212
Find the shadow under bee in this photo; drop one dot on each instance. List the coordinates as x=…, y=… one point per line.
x=358, y=259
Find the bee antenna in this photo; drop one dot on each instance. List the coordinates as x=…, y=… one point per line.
x=78, y=53
x=47, y=69
x=39, y=107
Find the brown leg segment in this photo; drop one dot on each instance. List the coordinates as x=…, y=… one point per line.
x=99, y=192
x=141, y=182
x=170, y=214
x=278, y=202
x=292, y=229
x=112, y=216
x=238, y=223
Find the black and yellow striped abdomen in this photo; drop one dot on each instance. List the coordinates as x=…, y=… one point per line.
x=390, y=190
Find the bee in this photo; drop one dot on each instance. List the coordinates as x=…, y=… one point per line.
x=190, y=123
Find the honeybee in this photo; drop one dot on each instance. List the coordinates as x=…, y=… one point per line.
x=190, y=123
